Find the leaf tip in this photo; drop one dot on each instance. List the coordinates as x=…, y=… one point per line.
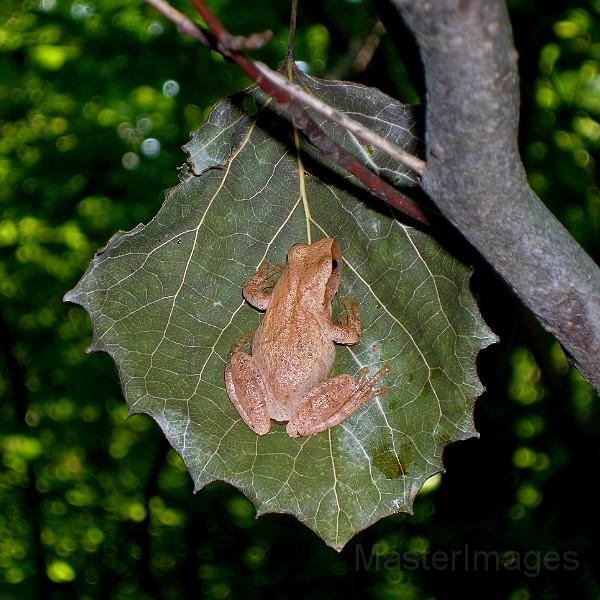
x=71, y=296
x=491, y=339
x=95, y=346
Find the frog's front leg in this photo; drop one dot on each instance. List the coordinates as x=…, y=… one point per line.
x=247, y=390
x=259, y=287
x=330, y=402
x=346, y=330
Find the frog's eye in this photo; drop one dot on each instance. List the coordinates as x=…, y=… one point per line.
x=334, y=264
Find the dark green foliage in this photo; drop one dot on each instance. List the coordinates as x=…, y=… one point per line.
x=93, y=505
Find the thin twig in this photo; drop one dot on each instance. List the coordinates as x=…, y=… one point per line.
x=308, y=125
x=370, y=137
x=365, y=54
x=228, y=45
x=183, y=23
x=364, y=133
x=254, y=41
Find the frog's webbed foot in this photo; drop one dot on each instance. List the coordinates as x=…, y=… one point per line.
x=329, y=403
x=247, y=390
x=259, y=287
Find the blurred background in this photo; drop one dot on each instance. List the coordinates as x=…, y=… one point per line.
x=96, y=99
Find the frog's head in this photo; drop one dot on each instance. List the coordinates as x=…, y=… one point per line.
x=317, y=267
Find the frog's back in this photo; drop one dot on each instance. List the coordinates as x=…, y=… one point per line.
x=293, y=354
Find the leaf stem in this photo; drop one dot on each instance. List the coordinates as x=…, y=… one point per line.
x=289, y=57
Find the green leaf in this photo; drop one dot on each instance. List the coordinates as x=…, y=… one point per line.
x=166, y=303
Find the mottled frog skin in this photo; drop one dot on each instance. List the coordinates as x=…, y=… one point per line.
x=287, y=376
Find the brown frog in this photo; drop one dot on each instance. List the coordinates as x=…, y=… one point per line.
x=293, y=350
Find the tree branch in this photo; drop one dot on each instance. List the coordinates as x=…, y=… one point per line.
x=476, y=177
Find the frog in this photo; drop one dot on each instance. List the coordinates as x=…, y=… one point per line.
x=286, y=378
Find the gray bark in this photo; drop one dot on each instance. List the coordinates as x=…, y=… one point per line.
x=475, y=175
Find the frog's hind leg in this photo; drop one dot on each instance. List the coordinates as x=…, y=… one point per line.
x=247, y=391
x=329, y=403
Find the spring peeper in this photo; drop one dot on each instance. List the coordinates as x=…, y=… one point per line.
x=293, y=350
